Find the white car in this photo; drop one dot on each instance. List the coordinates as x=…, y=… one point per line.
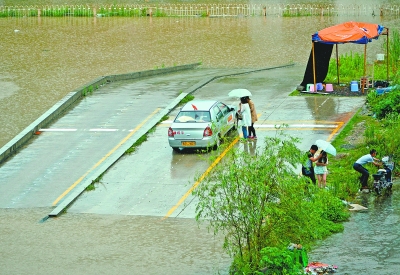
x=201, y=124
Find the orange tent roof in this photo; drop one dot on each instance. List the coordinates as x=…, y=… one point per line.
x=349, y=32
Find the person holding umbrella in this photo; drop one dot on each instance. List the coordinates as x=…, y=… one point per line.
x=321, y=170
x=309, y=170
x=245, y=122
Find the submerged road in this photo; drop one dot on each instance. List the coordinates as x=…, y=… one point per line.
x=149, y=190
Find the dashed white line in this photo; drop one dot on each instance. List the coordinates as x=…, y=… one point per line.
x=58, y=130
x=329, y=126
x=103, y=130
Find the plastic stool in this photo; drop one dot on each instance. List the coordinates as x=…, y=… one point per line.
x=310, y=87
x=328, y=87
x=354, y=86
x=320, y=87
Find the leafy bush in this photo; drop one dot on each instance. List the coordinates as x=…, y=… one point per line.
x=385, y=104
x=281, y=261
x=258, y=201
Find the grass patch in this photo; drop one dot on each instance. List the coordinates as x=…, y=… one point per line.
x=92, y=186
x=186, y=99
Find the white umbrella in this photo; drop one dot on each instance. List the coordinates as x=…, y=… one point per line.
x=239, y=93
x=326, y=146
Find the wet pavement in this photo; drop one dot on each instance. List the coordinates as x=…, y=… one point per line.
x=140, y=216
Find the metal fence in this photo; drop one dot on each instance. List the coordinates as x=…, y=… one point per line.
x=186, y=10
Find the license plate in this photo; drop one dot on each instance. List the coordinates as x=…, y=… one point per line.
x=188, y=143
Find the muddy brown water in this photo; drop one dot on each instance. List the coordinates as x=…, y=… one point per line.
x=45, y=58
x=42, y=59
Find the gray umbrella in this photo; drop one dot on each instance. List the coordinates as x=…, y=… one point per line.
x=239, y=93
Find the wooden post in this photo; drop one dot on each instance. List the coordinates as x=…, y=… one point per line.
x=313, y=60
x=337, y=64
x=365, y=65
x=387, y=55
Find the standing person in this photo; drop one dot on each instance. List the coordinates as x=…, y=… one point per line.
x=358, y=166
x=245, y=122
x=252, y=131
x=321, y=170
x=308, y=168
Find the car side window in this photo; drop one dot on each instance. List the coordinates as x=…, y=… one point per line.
x=217, y=112
x=223, y=108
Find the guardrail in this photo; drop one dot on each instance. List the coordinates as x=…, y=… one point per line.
x=187, y=10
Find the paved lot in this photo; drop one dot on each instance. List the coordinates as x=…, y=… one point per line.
x=127, y=212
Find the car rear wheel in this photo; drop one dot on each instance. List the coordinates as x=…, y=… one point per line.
x=177, y=149
x=217, y=143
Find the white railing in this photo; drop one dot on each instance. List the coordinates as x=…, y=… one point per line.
x=183, y=10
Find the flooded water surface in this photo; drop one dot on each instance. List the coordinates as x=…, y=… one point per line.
x=43, y=59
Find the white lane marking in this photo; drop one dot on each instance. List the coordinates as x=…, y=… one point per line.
x=103, y=130
x=330, y=126
x=74, y=130
x=57, y=130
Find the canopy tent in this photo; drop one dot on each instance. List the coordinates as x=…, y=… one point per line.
x=348, y=32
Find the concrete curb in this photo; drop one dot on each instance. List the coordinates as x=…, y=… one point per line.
x=113, y=158
x=69, y=100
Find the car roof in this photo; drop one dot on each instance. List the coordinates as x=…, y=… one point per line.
x=200, y=105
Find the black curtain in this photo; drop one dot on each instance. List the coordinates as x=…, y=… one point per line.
x=322, y=54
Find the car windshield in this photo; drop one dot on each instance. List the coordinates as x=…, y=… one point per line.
x=193, y=116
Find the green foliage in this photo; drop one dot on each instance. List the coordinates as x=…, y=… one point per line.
x=280, y=261
x=351, y=66
x=385, y=104
x=92, y=186
x=186, y=99
x=381, y=135
x=136, y=144
x=258, y=201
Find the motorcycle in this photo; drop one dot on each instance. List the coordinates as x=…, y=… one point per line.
x=383, y=178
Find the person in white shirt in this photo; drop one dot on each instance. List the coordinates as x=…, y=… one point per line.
x=244, y=109
x=358, y=166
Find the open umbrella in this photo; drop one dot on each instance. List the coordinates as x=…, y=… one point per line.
x=239, y=93
x=326, y=146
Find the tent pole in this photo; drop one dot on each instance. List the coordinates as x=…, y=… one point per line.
x=365, y=65
x=387, y=55
x=337, y=64
x=313, y=61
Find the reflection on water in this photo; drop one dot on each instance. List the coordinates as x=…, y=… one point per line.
x=50, y=57
x=97, y=244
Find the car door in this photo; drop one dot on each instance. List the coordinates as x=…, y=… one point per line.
x=218, y=118
x=228, y=119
